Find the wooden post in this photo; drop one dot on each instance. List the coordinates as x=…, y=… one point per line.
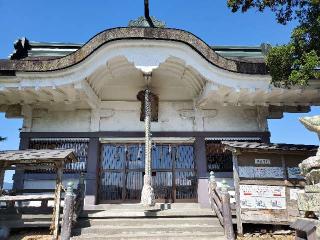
x=214, y=199
x=79, y=202
x=2, y=172
x=92, y=172
x=236, y=180
x=212, y=182
x=227, y=215
x=57, y=201
x=68, y=212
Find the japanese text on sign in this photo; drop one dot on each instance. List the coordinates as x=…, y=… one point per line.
x=262, y=197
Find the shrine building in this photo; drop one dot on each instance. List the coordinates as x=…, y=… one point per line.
x=86, y=97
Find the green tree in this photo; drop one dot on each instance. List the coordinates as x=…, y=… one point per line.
x=2, y=139
x=298, y=61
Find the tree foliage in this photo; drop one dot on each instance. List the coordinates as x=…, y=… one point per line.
x=2, y=139
x=298, y=61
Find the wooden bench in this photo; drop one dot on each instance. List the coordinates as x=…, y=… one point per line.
x=30, y=197
x=43, y=198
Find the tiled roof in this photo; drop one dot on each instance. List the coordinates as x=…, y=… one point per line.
x=37, y=156
x=43, y=57
x=44, y=50
x=255, y=146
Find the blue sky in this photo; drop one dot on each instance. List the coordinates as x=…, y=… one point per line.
x=77, y=21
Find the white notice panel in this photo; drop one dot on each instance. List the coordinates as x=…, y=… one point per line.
x=262, y=197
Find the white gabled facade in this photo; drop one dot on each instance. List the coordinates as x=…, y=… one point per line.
x=99, y=93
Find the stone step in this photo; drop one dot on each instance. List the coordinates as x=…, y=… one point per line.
x=155, y=236
x=26, y=217
x=163, y=221
x=136, y=206
x=153, y=213
x=147, y=221
x=149, y=229
x=26, y=223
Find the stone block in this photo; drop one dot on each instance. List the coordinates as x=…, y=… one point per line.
x=312, y=188
x=309, y=202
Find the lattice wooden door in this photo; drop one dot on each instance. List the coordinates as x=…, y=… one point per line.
x=122, y=170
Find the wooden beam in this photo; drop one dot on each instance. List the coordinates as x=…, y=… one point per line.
x=57, y=201
x=26, y=112
x=2, y=172
x=207, y=91
x=13, y=111
x=42, y=94
x=237, y=192
x=30, y=197
x=27, y=96
x=59, y=95
x=191, y=80
x=91, y=97
x=12, y=95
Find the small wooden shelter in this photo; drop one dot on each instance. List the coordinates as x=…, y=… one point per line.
x=267, y=180
x=33, y=160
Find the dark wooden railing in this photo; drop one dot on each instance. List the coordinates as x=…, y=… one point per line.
x=220, y=204
x=73, y=204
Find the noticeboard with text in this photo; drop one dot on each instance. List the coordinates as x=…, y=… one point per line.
x=262, y=197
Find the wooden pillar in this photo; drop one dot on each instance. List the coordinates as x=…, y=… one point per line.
x=68, y=212
x=18, y=177
x=200, y=156
x=92, y=172
x=236, y=180
x=227, y=215
x=266, y=137
x=57, y=201
x=202, y=174
x=2, y=172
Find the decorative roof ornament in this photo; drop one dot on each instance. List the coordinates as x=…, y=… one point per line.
x=143, y=22
x=21, y=47
x=146, y=21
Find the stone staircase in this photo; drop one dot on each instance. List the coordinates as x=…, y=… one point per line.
x=132, y=221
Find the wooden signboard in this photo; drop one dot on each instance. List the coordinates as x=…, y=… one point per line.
x=267, y=186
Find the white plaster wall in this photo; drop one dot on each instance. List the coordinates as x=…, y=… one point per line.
x=125, y=116
x=179, y=116
x=59, y=121
x=232, y=119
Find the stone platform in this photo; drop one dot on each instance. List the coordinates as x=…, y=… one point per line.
x=132, y=221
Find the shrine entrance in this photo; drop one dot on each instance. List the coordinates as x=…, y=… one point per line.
x=122, y=170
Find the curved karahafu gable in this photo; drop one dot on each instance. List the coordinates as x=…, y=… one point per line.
x=115, y=34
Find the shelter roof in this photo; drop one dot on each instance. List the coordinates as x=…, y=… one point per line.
x=37, y=156
x=76, y=54
x=270, y=147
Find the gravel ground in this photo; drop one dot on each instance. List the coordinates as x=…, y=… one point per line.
x=31, y=235
x=44, y=235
